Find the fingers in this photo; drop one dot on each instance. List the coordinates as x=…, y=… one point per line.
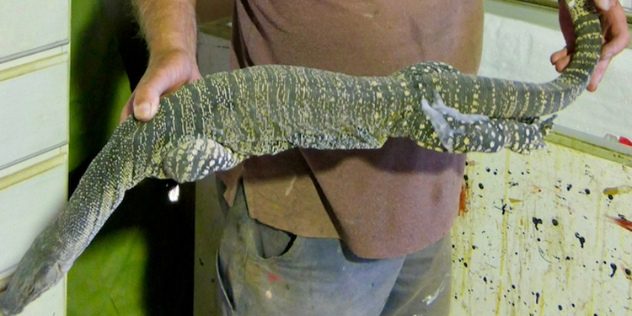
x=617, y=37
x=600, y=70
x=604, y=4
x=128, y=109
x=561, y=59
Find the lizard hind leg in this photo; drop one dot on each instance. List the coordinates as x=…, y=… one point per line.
x=440, y=116
x=194, y=159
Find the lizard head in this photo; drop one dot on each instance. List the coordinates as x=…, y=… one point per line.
x=35, y=274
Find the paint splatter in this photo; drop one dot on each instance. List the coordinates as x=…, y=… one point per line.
x=514, y=201
x=622, y=221
x=273, y=277
x=614, y=269
x=463, y=201
x=618, y=190
x=536, y=222
x=582, y=240
x=535, y=189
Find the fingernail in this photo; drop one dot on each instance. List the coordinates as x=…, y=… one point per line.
x=142, y=110
x=603, y=4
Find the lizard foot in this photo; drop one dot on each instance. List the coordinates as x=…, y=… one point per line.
x=440, y=114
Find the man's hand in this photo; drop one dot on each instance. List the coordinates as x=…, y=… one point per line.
x=170, y=30
x=165, y=73
x=615, y=33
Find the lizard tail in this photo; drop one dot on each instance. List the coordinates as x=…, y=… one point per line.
x=498, y=98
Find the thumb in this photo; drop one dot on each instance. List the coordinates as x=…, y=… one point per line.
x=147, y=96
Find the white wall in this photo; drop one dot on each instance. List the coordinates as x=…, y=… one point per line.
x=518, y=42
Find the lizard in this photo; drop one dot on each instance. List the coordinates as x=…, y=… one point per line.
x=215, y=123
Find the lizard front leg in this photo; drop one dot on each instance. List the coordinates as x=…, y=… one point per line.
x=194, y=159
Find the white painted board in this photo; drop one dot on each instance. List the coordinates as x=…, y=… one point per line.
x=538, y=236
x=33, y=113
x=25, y=209
x=28, y=25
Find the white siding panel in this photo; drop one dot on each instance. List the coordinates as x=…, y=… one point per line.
x=27, y=25
x=33, y=112
x=25, y=209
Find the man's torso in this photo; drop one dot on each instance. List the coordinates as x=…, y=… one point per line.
x=382, y=203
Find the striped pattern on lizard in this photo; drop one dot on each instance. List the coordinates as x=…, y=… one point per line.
x=215, y=123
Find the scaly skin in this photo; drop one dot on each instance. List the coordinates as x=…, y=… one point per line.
x=218, y=121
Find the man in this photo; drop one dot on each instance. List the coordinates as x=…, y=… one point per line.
x=338, y=232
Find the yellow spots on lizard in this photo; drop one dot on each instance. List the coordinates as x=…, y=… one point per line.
x=403, y=84
x=379, y=95
x=407, y=93
x=374, y=83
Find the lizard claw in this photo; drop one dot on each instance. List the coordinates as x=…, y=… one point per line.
x=454, y=113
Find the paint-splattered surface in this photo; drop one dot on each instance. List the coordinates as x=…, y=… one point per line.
x=546, y=234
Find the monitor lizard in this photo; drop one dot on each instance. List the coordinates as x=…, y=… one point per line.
x=216, y=122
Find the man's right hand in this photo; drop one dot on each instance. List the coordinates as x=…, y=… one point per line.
x=166, y=72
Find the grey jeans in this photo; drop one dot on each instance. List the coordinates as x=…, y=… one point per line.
x=264, y=271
